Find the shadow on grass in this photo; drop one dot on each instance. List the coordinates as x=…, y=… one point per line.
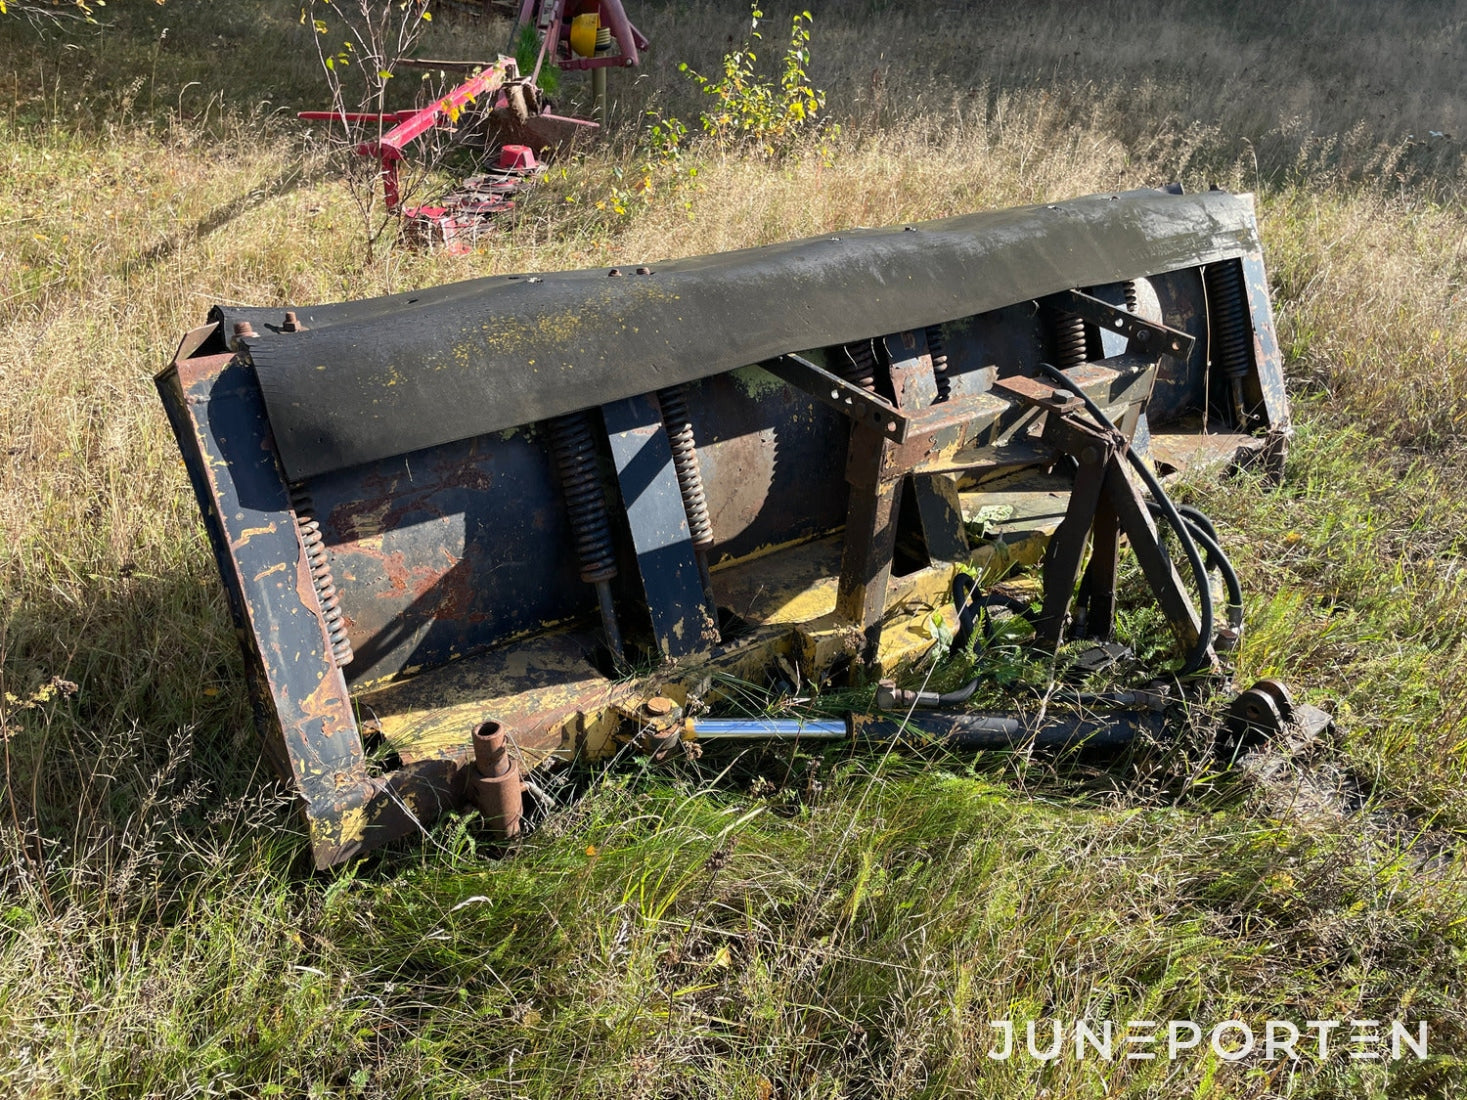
x=148, y=752
x=295, y=177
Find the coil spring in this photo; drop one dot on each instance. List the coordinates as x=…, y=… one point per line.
x=861, y=370
x=937, y=348
x=1067, y=333
x=575, y=460
x=1131, y=300
x=1231, y=328
x=1229, y=317
x=321, y=579
x=674, y=402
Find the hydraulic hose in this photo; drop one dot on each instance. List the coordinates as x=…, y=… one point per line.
x=1201, y=529
x=891, y=697
x=973, y=613
x=964, y=589
x=980, y=730
x=1197, y=656
x=1198, y=519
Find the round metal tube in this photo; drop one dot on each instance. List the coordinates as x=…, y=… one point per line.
x=495, y=783
x=793, y=729
x=598, y=77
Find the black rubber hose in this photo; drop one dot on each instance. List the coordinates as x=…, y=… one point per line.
x=1199, y=519
x=1229, y=576
x=973, y=612
x=891, y=697
x=964, y=589
x=1197, y=656
x=978, y=730
x=1202, y=530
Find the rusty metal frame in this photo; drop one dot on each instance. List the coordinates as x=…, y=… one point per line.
x=1104, y=503
x=816, y=591
x=1140, y=333
x=300, y=696
x=862, y=406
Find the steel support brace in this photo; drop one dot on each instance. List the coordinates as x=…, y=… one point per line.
x=1267, y=360
x=216, y=409
x=1104, y=503
x=1141, y=335
x=870, y=542
x=941, y=513
x=852, y=401
x=1156, y=563
x=876, y=468
x=913, y=382
x=683, y=621
x=1098, y=587
x=1066, y=550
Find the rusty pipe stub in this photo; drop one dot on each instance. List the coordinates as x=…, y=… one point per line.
x=495, y=781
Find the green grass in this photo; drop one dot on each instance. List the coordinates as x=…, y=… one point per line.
x=769, y=924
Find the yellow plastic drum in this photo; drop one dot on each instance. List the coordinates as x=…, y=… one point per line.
x=583, y=33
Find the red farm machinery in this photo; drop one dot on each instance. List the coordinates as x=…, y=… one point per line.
x=501, y=108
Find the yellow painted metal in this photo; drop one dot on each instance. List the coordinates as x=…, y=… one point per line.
x=547, y=688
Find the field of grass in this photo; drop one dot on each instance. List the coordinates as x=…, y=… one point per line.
x=836, y=926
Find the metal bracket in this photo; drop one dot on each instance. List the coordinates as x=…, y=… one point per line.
x=941, y=513
x=1145, y=335
x=1105, y=503
x=682, y=619
x=1041, y=395
x=860, y=405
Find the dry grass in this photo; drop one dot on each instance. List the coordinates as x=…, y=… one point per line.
x=660, y=937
